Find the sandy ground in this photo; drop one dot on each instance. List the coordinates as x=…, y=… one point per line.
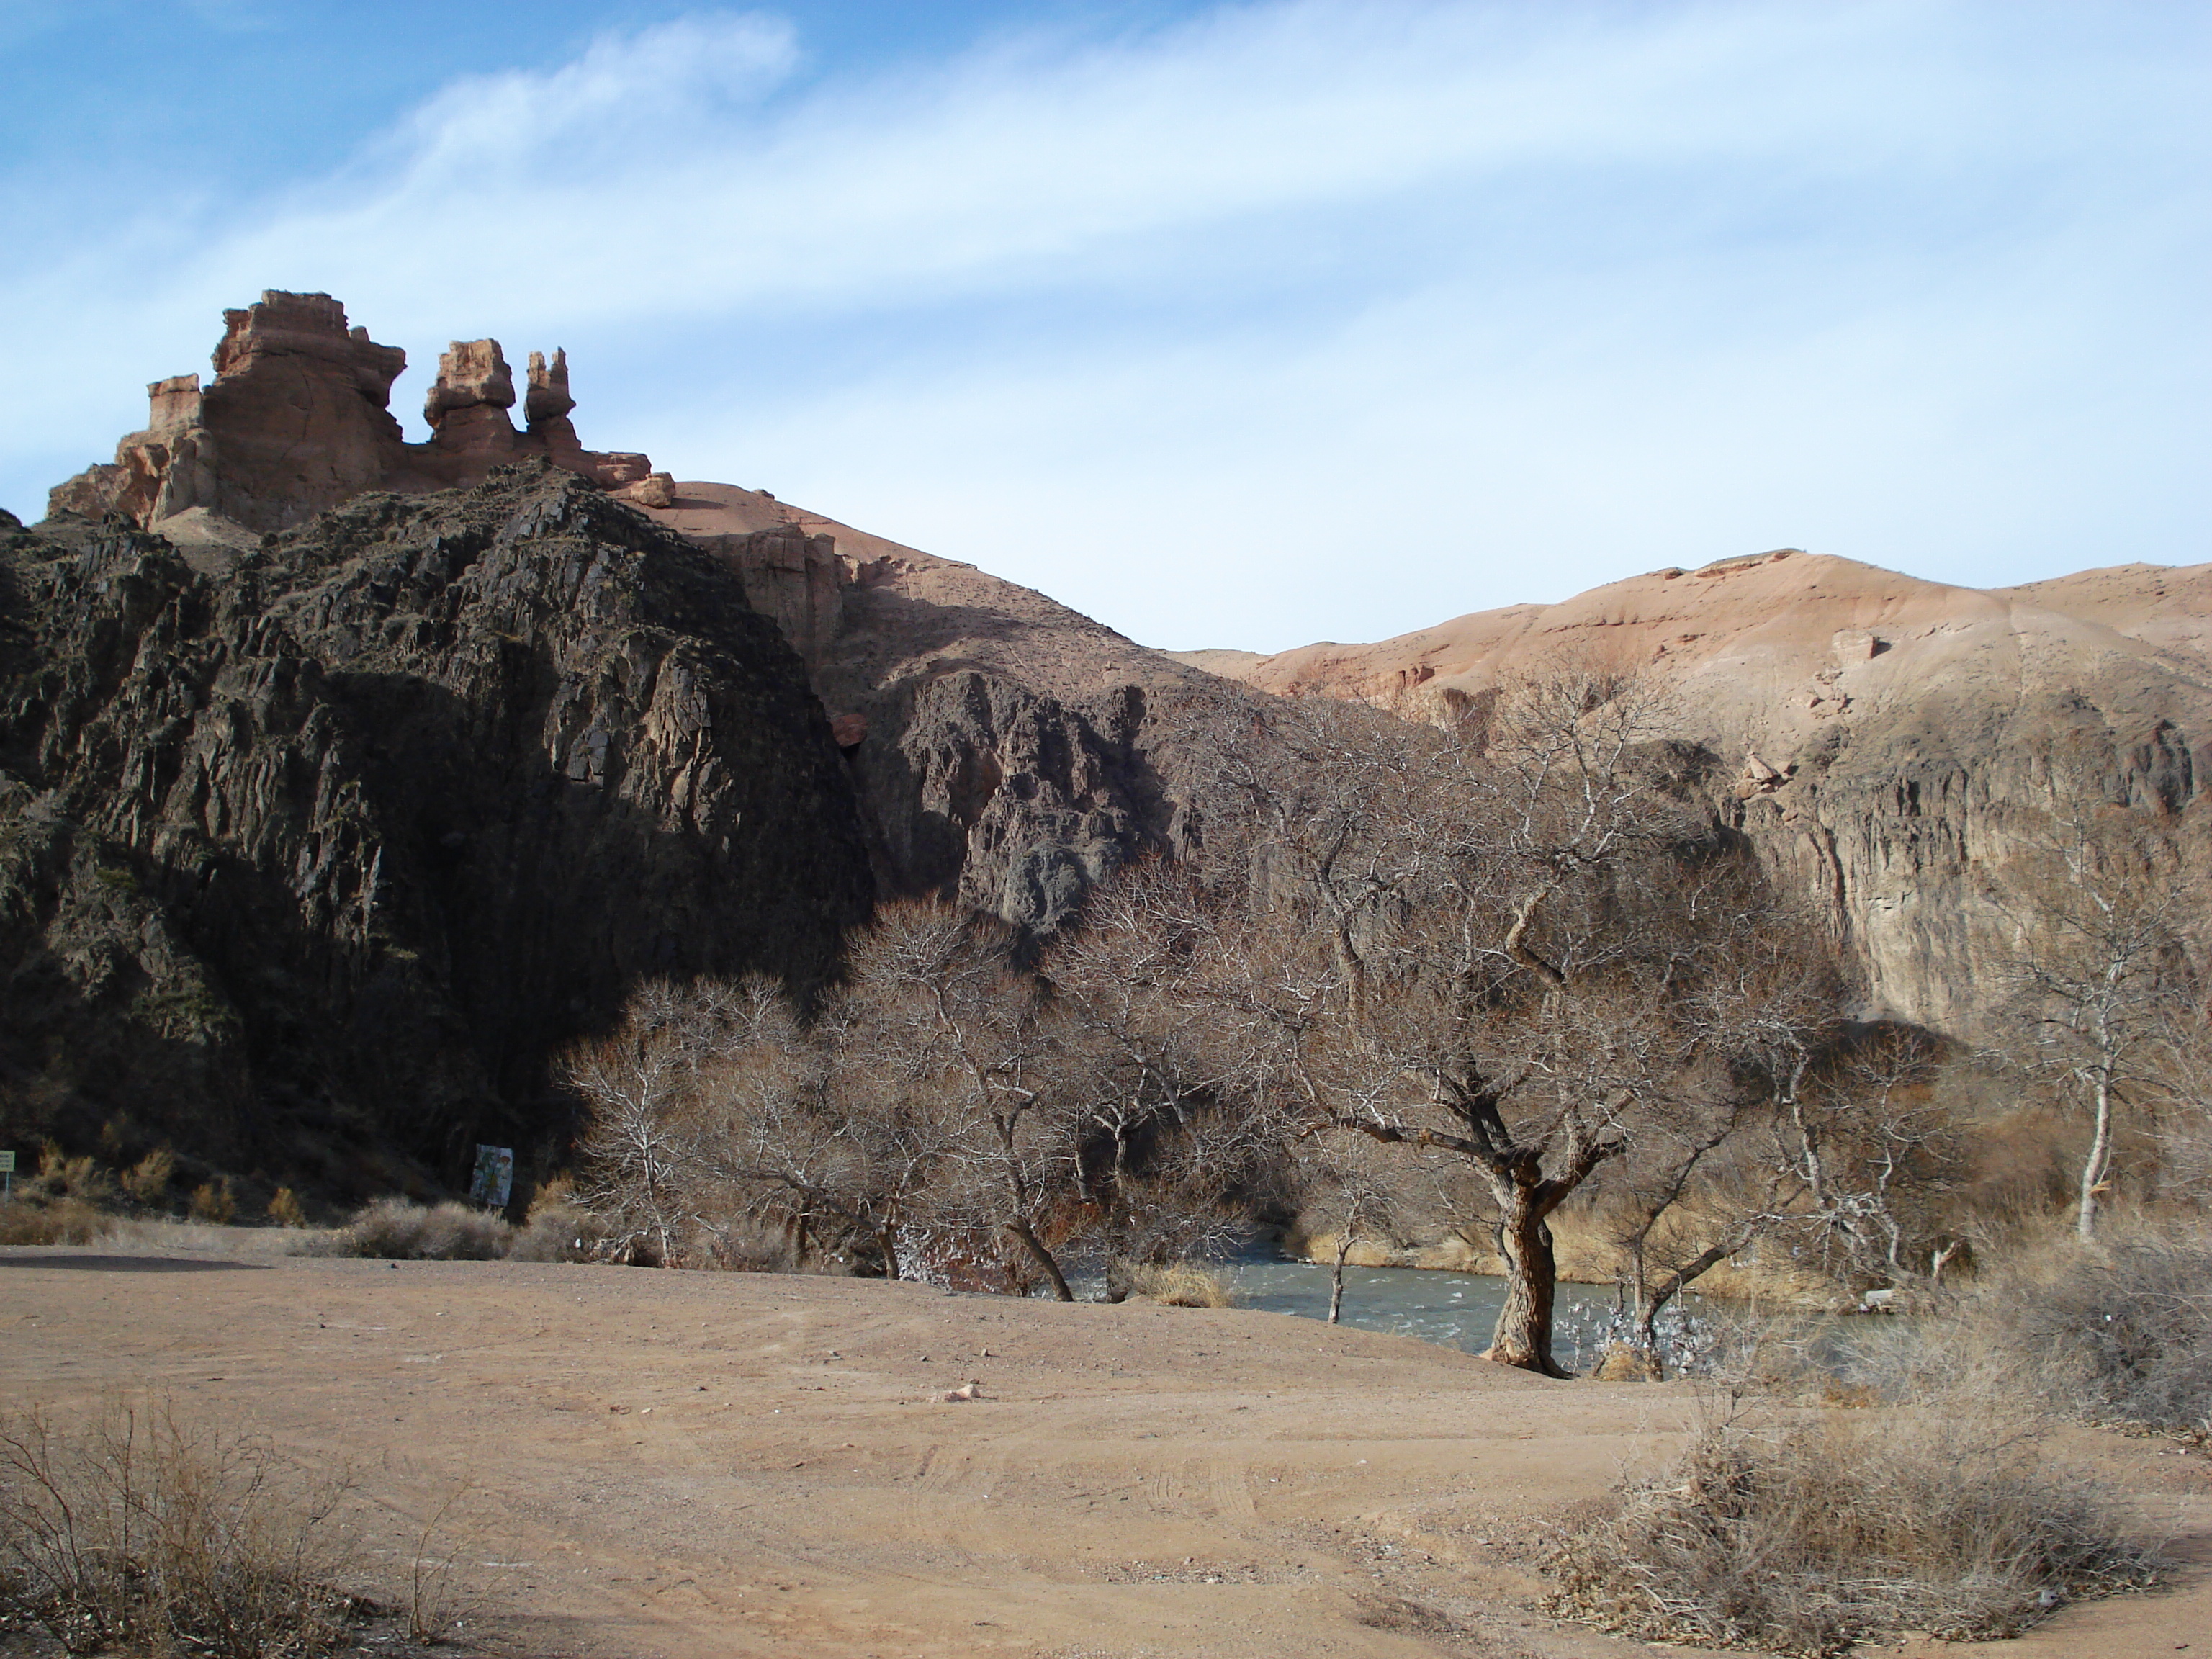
x=641, y=1463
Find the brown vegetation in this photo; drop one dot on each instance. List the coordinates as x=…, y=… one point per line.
x=56, y=1221
x=397, y=1229
x=1806, y=1537
x=142, y=1534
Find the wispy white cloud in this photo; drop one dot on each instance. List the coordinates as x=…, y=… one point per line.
x=1321, y=317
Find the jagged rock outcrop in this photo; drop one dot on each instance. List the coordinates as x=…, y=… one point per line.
x=314, y=861
x=1010, y=752
x=1883, y=740
x=298, y=419
x=1007, y=750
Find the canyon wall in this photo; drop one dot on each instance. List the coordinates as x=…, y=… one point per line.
x=1885, y=743
x=310, y=860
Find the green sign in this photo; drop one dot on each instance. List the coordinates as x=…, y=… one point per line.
x=7, y=1163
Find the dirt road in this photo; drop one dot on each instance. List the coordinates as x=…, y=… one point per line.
x=643, y=1463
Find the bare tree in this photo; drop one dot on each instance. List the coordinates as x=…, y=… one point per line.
x=1352, y=1193
x=1175, y=1139
x=975, y=1036
x=1486, y=980
x=2101, y=975
x=1865, y=1149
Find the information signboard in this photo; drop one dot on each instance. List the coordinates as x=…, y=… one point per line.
x=494, y=1176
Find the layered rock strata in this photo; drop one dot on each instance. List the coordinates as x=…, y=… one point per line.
x=298, y=419
x=314, y=861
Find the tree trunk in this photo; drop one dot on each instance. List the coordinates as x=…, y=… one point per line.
x=1042, y=1257
x=1652, y=1302
x=2092, y=1168
x=1523, y=1335
x=1336, y=1280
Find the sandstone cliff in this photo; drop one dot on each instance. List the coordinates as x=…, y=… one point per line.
x=308, y=862
x=298, y=419
x=1882, y=739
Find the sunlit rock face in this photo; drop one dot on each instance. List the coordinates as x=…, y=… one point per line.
x=1885, y=742
x=298, y=419
x=1007, y=750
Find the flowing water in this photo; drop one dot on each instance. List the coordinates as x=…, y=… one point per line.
x=1460, y=1310
x=1457, y=1310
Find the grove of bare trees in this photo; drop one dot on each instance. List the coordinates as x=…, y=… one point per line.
x=1476, y=975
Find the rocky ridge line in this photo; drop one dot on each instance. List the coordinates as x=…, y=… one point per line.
x=310, y=862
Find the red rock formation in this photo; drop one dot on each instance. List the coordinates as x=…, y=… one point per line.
x=298, y=419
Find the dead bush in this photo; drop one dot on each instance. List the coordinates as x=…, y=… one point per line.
x=558, y=1229
x=2119, y=1332
x=60, y=1221
x=63, y=1177
x=1175, y=1284
x=398, y=1230
x=1804, y=1538
x=142, y=1534
x=286, y=1210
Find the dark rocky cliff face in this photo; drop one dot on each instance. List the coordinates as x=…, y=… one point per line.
x=1010, y=752
x=309, y=863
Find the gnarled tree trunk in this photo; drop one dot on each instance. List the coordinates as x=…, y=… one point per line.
x=1523, y=1335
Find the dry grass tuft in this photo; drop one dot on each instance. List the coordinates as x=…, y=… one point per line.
x=396, y=1230
x=1804, y=1538
x=1180, y=1284
x=142, y=1535
x=60, y=1221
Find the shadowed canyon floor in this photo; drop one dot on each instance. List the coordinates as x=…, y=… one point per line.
x=645, y=1463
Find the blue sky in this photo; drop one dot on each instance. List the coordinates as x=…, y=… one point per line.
x=1231, y=325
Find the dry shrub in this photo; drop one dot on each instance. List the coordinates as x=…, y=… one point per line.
x=63, y=1177
x=397, y=1229
x=147, y=1180
x=1805, y=1538
x=1179, y=1285
x=213, y=1202
x=2117, y=1332
x=143, y=1535
x=286, y=1210
x=558, y=1229
x=2120, y=1332
x=60, y=1221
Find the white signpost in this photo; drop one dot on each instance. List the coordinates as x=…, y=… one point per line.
x=7, y=1174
